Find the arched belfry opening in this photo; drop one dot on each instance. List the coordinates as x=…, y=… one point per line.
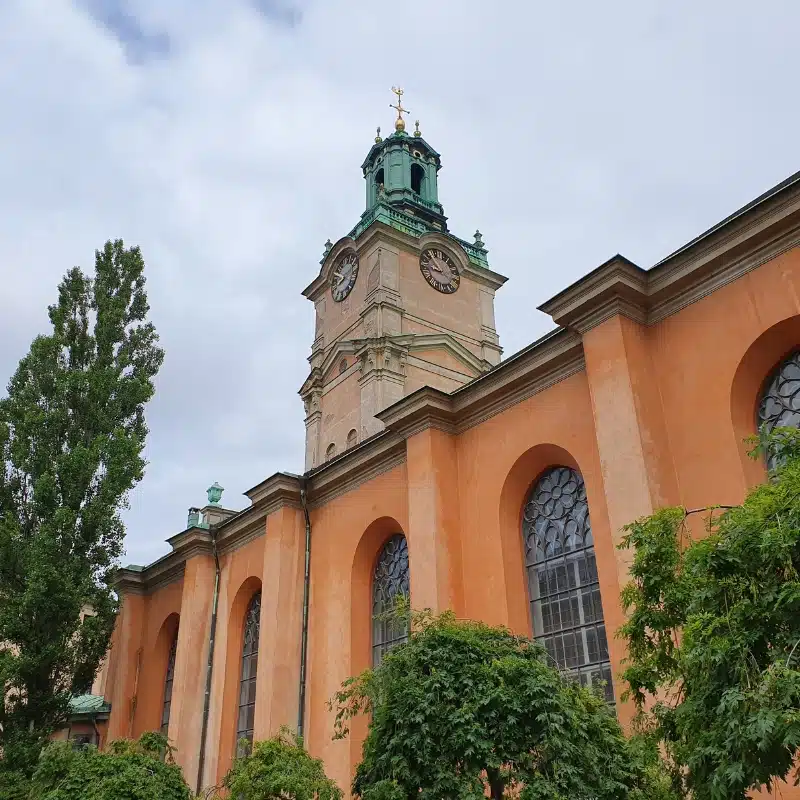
x=417, y=178
x=379, y=179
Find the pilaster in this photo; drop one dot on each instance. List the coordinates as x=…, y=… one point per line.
x=281, y=621
x=313, y=421
x=433, y=521
x=382, y=380
x=637, y=469
x=191, y=662
x=125, y=664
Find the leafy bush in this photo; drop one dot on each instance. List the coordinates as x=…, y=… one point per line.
x=714, y=634
x=126, y=770
x=280, y=769
x=464, y=709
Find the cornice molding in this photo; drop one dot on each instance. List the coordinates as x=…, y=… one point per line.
x=541, y=365
x=282, y=488
x=166, y=570
x=762, y=230
x=348, y=471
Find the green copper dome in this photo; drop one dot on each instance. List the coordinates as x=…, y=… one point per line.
x=401, y=171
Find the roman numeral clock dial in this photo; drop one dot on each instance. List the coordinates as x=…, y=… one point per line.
x=439, y=270
x=344, y=277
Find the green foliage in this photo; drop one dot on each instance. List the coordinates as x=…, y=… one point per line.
x=280, y=769
x=134, y=770
x=463, y=708
x=713, y=634
x=72, y=431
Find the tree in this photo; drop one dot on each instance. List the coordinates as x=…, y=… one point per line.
x=135, y=770
x=72, y=430
x=280, y=769
x=713, y=634
x=463, y=707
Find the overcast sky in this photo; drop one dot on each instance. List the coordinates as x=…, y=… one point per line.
x=225, y=138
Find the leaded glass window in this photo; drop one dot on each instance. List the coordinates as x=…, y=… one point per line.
x=247, y=683
x=168, y=681
x=391, y=580
x=780, y=402
x=562, y=578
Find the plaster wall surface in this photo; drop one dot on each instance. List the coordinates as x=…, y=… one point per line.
x=652, y=415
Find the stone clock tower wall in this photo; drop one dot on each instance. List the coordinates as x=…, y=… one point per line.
x=387, y=331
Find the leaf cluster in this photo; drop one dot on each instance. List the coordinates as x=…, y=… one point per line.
x=464, y=708
x=134, y=770
x=280, y=768
x=72, y=432
x=713, y=633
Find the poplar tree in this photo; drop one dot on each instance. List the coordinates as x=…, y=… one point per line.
x=72, y=432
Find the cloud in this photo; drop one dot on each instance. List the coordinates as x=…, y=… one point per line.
x=117, y=17
x=225, y=138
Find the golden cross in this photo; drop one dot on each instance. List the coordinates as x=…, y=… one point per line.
x=400, y=123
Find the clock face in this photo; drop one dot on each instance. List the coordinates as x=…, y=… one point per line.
x=439, y=270
x=344, y=277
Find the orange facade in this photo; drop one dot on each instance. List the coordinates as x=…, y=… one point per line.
x=647, y=388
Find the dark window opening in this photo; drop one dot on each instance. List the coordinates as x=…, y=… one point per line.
x=417, y=176
x=780, y=402
x=563, y=582
x=379, y=179
x=247, y=683
x=168, y=681
x=390, y=580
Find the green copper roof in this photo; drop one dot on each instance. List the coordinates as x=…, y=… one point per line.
x=86, y=704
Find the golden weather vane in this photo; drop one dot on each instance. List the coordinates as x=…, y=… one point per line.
x=399, y=123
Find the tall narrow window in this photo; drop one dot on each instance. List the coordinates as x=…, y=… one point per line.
x=562, y=578
x=168, y=681
x=391, y=580
x=247, y=683
x=780, y=401
x=417, y=178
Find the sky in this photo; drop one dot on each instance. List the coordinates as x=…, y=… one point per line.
x=225, y=138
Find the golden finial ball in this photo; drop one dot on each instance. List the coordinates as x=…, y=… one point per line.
x=399, y=124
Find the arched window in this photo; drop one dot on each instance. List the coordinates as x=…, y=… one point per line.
x=391, y=580
x=330, y=452
x=168, y=681
x=247, y=683
x=352, y=438
x=562, y=578
x=780, y=401
x=379, y=181
x=417, y=178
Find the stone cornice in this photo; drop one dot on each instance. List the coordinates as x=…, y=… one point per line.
x=539, y=366
x=166, y=570
x=480, y=274
x=282, y=488
x=356, y=466
x=760, y=231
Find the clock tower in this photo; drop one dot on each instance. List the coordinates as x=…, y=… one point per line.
x=401, y=302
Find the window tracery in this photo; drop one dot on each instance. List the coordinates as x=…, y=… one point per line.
x=168, y=681
x=390, y=581
x=247, y=682
x=780, y=401
x=563, y=583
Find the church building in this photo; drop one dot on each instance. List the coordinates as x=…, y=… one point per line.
x=498, y=488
